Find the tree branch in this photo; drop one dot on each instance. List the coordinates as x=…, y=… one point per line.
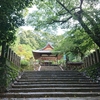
x=66, y=20
x=74, y=8
x=58, y=21
x=64, y=7
x=61, y=14
x=93, y=23
x=89, y=32
x=81, y=2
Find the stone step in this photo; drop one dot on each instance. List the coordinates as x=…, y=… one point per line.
x=55, y=98
x=54, y=78
x=49, y=94
x=39, y=80
x=56, y=89
x=70, y=75
x=55, y=85
x=48, y=75
x=52, y=73
x=53, y=82
x=42, y=84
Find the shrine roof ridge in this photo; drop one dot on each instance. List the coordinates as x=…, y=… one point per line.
x=46, y=51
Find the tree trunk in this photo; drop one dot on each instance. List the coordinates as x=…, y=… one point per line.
x=3, y=50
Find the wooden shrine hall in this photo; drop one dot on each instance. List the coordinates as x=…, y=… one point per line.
x=47, y=55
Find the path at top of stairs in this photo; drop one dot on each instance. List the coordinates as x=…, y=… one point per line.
x=50, y=68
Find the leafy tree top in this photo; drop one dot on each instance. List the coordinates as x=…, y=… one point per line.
x=11, y=18
x=68, y=13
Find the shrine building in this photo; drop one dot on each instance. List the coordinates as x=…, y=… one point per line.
x=47, y=55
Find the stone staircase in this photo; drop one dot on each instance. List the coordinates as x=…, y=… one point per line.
x=42, y=84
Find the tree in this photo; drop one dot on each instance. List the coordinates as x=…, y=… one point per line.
x=11, y=18
x=28, y=40
x=68, y=13
x=73, y=44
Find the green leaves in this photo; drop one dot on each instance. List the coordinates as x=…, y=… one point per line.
x=7, y=75
x=76, y=43
x=11, y=18
x=67, y=14
x=92, y=71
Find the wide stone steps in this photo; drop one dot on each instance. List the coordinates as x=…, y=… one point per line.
x=52, y=82
x=54, y=77
x=56, y=89
x=39, y=80
x=54, y=73
x=40, y=84
x=49, y=94
x=55, y=85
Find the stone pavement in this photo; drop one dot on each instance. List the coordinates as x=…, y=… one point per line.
x=50, y=68
x=62, y=98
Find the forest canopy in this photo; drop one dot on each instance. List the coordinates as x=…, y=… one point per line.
x=79, y=18
x=11, y=17
x=68, y=14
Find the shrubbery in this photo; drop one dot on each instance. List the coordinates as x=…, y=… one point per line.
x=92, y=71
x=7, y=75
x=24, y=63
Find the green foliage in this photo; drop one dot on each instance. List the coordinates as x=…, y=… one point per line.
x=12, y=73
x=75, y=44
x=7, y=75
x=24, y=63
x=92, y=71
x=11, y=18
x=67, y=14
x=28, y=40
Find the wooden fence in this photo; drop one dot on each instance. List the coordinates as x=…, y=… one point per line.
x=93, y=58
x=9, y=67
x=90, y=60
x=12, y=56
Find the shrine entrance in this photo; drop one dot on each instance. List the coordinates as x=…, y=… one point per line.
x=47, y=56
